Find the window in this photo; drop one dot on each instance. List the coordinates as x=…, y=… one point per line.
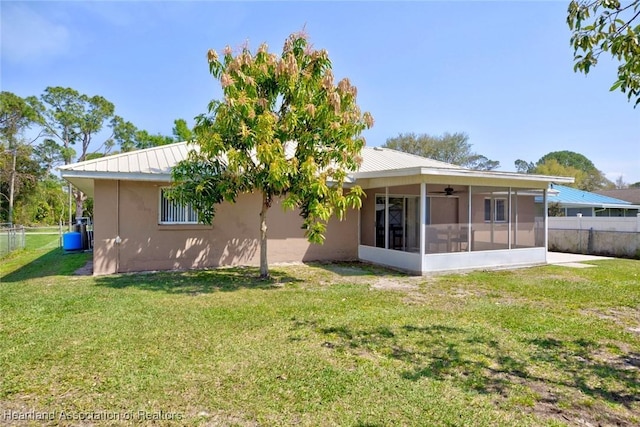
x=499, y=210
x=172, y=212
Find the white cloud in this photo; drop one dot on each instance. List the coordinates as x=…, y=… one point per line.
x=28, y=36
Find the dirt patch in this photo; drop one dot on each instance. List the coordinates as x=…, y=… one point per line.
x=628, y=317
x=395, y=284
x=86, y=270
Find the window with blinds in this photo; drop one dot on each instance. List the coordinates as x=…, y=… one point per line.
x=172, y=212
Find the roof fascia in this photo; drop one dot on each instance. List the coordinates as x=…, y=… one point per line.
x=462, y=173
x=122, y=176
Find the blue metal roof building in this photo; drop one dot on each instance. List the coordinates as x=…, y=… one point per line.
x=575, y=201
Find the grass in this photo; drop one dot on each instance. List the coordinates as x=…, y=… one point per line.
x=322, y=344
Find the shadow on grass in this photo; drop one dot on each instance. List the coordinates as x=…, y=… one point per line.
x=195, y=282
x=475, y=362
x=52, y=263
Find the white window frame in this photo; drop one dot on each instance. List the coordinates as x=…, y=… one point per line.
x=494, y=209
x=183, y=214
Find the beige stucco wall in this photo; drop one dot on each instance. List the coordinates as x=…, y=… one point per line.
x=130, y=210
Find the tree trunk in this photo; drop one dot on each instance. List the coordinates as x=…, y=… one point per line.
x=12, y=185
x=79, y=197
x=264, y=266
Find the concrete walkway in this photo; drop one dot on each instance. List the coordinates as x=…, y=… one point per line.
x=572, y=260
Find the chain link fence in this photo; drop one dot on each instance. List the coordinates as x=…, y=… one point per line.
x=11, y=239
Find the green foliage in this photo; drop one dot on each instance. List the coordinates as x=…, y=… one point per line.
x=181, y=131
x=284, y=128
x=568, y=163
x=555, y=209
x=569, y=158
x=16, y=115
x=74, y=118
x=523, y=166
x=25, y=178
x=130, y=138
x=450, y=148
x=46, y=204
x=608, y=26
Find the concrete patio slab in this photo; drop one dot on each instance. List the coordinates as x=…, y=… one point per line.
x=572, y=260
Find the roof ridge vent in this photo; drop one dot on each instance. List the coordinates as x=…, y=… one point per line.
x=378, y=148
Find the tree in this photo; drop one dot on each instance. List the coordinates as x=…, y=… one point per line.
x=74, y=119
x=18, y=169
x=48, y=154
x=129, y=137
x=599, y=26
x=554, y=209
x=554, y=168
x=451, y=148
x=588, y=177
x=620, y=184
x=181, y=131
x=523, y=166
x=16, y=115
x=283, y=129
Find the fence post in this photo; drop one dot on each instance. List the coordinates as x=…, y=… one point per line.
x=579, y=219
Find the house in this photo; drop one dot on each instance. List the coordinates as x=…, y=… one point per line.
x=631, y=195
x=572, y=202
x=420, y=215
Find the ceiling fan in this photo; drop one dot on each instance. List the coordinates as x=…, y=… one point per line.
x=448, y=191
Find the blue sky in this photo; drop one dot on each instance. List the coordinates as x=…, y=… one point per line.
x=500, y=71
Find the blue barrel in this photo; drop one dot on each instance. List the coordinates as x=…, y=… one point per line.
x=72, y=241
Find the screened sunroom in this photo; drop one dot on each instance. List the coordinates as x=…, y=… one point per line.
x=426, y=220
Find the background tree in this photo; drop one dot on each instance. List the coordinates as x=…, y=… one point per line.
x=74, y=119
x=554, y=209
x=589, y=178
x=130, y=138
x=620, y=184
x=599, y=26
x=181, y=131
x=451, y=148
x=568, y=163
x=523, y=166
x=283, y=129
x=16, y=116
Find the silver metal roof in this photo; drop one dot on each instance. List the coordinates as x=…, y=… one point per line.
x=154, y=164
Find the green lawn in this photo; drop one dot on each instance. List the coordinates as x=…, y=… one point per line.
x=334, y=344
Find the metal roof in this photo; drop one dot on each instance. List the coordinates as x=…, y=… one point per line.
x=156, y=160
x=572, y=197
x=631, y=195
x=377, y=159
x=154, y=164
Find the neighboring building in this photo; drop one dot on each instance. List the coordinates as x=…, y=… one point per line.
x=572, y=202
x=631, y=195
x=420, y=215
